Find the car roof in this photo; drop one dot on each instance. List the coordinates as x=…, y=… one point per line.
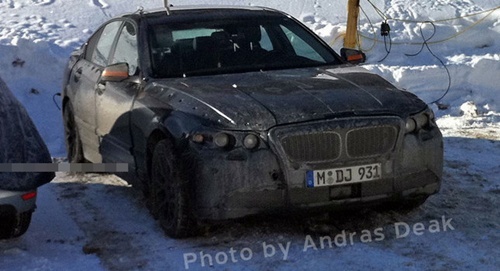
x=205, y=10
x=186, y=8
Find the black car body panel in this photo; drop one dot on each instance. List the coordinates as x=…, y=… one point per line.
x=280, y=119
x=20, y=143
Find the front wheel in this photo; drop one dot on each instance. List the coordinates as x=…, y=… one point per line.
x=406, y=205
x=72, y=136
x=170, y=199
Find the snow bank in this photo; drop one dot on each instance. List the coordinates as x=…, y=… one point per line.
x=33, y=71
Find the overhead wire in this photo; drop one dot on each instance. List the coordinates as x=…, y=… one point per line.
x=426, y=45
x=373, y=30
x=387, y=18
x=425, y=41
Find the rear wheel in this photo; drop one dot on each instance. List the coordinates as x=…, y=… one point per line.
x=14, y=226
x=23, y=223
x=170, y=200
x=72, y=137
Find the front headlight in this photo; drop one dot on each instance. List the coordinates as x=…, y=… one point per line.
x=250, y=141
x=422, y=120
x=228, y=140
x=222, y=140
x=411, y=125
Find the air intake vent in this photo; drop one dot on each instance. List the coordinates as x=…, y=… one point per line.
x=370, y=141
x=315, y=147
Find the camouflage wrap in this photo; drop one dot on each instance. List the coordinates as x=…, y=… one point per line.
x=20, y=142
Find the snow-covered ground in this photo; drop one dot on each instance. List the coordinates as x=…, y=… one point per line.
x=97, y=222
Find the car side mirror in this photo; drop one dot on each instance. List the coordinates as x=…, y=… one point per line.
x=115, y=73
x=353, y=56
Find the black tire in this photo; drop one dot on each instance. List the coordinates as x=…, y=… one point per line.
x=170, y=200
x=12, y=226
x=23, y=223
x=406, y=205
x=411, y=204
x=72, y=136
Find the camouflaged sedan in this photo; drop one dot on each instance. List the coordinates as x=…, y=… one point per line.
x=223, y=112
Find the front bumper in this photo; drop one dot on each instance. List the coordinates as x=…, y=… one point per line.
x=240, y=182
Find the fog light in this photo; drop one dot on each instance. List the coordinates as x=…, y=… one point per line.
x=198, y=138
x=221, y=140
x=411, y=125
x=250, y=141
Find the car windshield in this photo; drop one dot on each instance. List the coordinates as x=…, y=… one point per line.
x=216, y=46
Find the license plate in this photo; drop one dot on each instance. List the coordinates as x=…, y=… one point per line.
x=344, y=175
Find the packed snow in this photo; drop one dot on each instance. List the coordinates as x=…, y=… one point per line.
x=98, y=222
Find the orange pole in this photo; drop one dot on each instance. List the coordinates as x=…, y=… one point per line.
x=351, y=37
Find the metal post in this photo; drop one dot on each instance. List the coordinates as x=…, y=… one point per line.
x=351, y=37
x=165, y=3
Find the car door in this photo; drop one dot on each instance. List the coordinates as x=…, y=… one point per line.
x=115, y=99
x=85, y=77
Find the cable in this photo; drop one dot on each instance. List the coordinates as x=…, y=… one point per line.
x=385, y=17
x=54, y=99
x=426, y=40
x=426, y=44
x=437, y=41
x=380, y=12
x=373, y=30
x=385, y=31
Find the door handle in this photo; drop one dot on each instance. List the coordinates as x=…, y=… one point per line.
x=101, y=87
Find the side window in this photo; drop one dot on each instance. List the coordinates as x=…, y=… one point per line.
x=126, y=48
x=102, y=49
x=91, y=45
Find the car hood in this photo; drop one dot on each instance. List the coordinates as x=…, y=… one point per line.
x=261, y=100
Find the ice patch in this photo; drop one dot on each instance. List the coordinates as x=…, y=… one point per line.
x=99, y=3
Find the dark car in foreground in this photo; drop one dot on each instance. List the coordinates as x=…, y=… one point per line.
x=223, y=112
x=20, y=143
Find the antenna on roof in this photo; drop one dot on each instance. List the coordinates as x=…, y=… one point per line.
x=167, y=8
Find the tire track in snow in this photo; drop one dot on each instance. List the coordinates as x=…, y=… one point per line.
x=118, y=247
